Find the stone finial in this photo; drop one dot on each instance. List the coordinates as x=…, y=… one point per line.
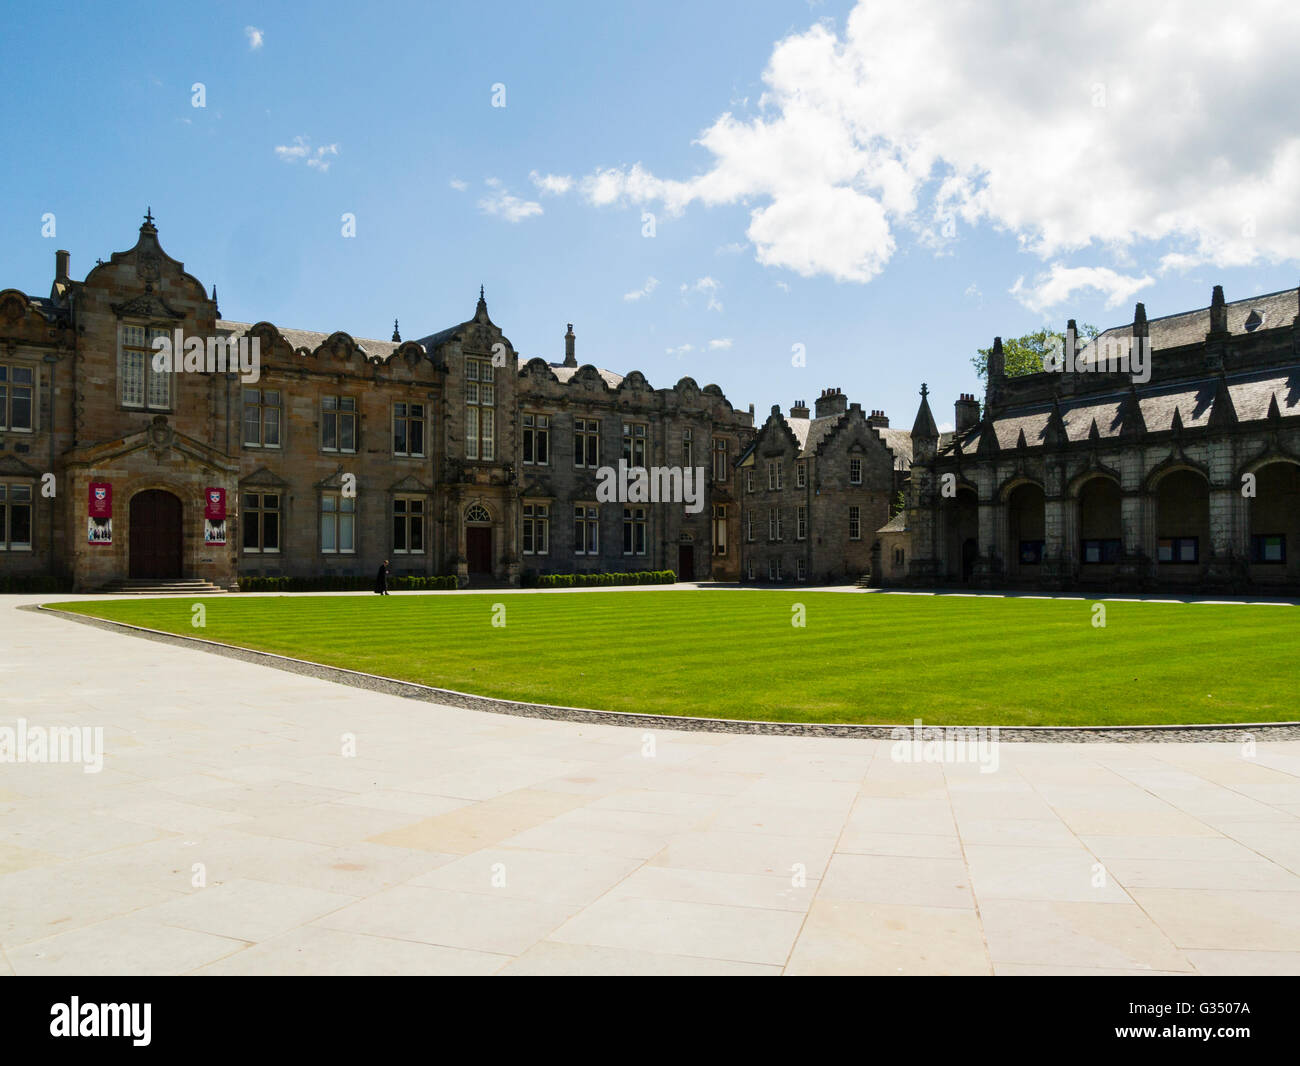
x=570, y=342
x=1223, y=412
x=1140, y=328
x=397, y=336
x=924, y=428
x=1218, y=312
x=997, y=361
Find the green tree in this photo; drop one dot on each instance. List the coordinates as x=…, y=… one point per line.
x=1024, y=355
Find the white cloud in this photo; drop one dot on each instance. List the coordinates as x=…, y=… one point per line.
x=650, y=285
x=301, y=149
x=458, y=185
x=501, y=203
x=255, y=37
x=554, y=184
x=1155, y=130
x=1059, y=284
x=681, y=350
x=734, y=248
x=706, y=285
x=719, y=343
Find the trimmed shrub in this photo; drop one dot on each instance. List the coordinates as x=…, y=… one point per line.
x=337, y=583
x=29, y=583
x=572, y=581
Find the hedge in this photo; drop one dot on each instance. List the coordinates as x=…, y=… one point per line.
x=17, y=583
x=337, y=583
x=571, y=581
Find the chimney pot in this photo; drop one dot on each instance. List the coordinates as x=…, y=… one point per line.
x=831, y=402
x=966, y=412
x=61, y=260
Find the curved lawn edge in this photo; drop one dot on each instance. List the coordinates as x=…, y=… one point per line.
x=1164, y=734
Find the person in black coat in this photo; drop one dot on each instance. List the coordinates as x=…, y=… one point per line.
x=381, y=579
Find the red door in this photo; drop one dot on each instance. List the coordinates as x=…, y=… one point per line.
x=155, y=534
x=478, y=549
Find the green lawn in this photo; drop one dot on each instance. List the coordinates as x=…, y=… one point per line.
x=877, y=659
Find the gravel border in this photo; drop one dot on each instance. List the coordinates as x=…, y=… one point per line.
x=1159, y=734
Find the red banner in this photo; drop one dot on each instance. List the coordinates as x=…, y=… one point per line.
x=215, y=505
x=101, y=500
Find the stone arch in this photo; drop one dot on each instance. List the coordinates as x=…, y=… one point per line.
x=1182, y=521
x=1273, y=522
x=959, y=522
x=1014, y=482
x=1172, y=465
x=1098, y=503
x=1026, y=523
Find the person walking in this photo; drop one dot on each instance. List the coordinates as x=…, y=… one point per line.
x=381, y=579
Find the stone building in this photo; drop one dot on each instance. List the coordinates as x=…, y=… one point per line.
x=445, y=455
x=813, y=490
x=1107, y=474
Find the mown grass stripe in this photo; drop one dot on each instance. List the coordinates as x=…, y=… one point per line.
x=867, y=659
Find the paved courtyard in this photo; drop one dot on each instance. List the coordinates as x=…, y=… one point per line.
x=248, y=820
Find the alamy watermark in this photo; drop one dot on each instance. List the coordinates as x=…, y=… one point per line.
x=53, y=744
x=213, y=355
x=655, y=484
x=1131, y=355
x=946, y=744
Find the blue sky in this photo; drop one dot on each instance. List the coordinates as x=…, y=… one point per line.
x=878, y=206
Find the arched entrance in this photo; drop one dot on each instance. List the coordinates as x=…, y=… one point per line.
x=155, y=534
x=1182, y=525
x=1026, y=530
x=961, y=524
x=686, y=558
x=478, y=540
x=1275, y=524
x=1101, y=526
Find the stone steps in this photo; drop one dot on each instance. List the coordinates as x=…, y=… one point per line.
x=162, y=587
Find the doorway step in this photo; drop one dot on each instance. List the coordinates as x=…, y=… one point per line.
x=162, y=586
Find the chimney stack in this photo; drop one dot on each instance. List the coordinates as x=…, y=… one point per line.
x=570, y=359
x=878, y=419
x=799, y=409
x=831, y=402
x=61, y=260
x=967, y=412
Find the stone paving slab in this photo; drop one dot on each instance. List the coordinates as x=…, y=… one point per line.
x=228, y=832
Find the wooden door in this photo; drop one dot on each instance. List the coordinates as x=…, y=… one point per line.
x=686, y=562
x=478, y=549
x=155, y=533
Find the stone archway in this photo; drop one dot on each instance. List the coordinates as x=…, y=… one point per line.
x=1182, y=524
x=961, y=527
x=1026, y=530
x=1100, y=522
x=478, y=540
x=1274, y=524
x=155, y=534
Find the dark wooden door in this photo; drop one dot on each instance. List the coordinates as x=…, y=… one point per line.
x=478, y=549
x=686, y=562
x=155, y=533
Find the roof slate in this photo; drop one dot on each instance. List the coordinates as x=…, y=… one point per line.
x=1190, y=327
x=311, y=340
